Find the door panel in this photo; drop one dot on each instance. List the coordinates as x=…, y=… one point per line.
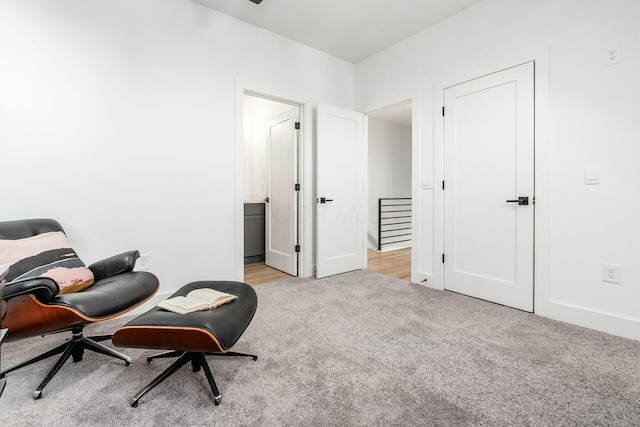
x=489, y=158
x=281, y=209
x=340, y=182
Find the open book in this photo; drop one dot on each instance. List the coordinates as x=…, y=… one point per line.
x=197, y=300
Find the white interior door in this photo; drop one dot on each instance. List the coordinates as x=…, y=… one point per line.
x=340, y=238
x=489, y=163
x=281, y=204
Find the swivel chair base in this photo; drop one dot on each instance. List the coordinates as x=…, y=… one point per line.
x=197, y=359
x=74, y=348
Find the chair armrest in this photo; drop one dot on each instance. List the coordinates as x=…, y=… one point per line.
x=116, y=264
x=44, y=289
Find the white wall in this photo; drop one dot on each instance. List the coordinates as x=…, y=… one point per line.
x=117, y=118
x=590, y=118
x=389, y=165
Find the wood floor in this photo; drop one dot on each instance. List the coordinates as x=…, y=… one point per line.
x=393, y=263
x=258, y=273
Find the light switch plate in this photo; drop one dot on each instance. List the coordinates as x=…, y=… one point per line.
x=591, y=175
x=427, y=182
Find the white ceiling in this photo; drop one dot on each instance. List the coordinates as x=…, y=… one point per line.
x=349, y=29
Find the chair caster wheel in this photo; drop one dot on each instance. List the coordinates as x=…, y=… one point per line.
x=255, y=358
x=134, y=404
x=217, y=400
x=37, y=394
x=127, y=363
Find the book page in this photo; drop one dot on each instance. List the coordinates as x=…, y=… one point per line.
x=211, y=297
x=196, y=300
x=187, y=304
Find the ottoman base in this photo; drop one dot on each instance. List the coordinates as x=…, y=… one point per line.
x=197, y=359
x=193, y=336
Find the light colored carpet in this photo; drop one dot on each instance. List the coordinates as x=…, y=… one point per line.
x=354, y=349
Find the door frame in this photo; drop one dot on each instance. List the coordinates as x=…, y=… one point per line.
x=421, y=224
x=518, y=293
x=304, y=256
x=542, y=161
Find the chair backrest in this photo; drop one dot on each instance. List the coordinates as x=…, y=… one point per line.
x=20, y=229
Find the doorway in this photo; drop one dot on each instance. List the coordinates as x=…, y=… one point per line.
x=389, y=181
x=489, y=187
x=271, y=193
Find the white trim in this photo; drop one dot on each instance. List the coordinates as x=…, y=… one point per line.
x=372, y=239
x=604, y=322
x=305, y=219
x=365, y=180
x=390, y=247
x=417, y=276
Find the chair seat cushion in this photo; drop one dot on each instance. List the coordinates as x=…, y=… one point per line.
x=112, y=296
x=214, y=330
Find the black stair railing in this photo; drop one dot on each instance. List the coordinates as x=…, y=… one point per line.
x=394, y=220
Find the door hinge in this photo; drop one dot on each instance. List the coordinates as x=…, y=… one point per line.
x=443, y=185
x=297, y=125
x=443, y=258
x=442, y=111
x=297, y=187
x=297, y=248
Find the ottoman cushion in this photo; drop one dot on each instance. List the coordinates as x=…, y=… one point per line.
x=214, y=330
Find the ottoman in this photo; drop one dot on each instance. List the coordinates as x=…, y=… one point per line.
x=192, y=336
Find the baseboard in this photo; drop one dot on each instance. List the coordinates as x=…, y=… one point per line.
x=604, y=322
x=372, y=241
x=395, y=246
x=373, y=244
x=424, y=279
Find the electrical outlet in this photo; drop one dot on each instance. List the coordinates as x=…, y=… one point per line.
x=612, y=55
x=611, y=273
x=143, y=262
